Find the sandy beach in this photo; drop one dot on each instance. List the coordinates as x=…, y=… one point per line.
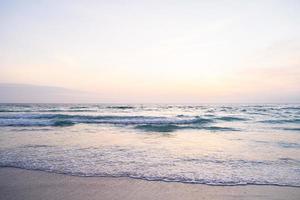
x=25, y=184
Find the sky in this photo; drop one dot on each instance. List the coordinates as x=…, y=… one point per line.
x=155, y=51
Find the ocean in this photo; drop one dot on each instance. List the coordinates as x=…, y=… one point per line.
x=214, y=144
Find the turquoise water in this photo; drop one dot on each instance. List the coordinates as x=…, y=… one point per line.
x=230, y=144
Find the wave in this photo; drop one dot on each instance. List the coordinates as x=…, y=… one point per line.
x=63, y=123
x=230, y=118
x=159, y=128
x=179, y=117
x=47, y=110
x=65, y=110
x=148, y=124
x=26, y=123
x=12, y=111
x=121, y=107
x=164, y=176
x=289, y=145
x=78, y=107
x=292, y=108
x=218, y=128
x=69, y=120
x=281, y=121
x=172, y=128
x=291, y=129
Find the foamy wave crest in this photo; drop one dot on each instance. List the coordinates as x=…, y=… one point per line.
x=153, y=165
x=162, y=123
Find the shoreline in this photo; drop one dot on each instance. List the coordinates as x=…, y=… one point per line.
x=149, y=180
x=16, y=183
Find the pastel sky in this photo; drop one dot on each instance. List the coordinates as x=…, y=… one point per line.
x=155, y=51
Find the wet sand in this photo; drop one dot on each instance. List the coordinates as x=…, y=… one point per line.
x=22, y=184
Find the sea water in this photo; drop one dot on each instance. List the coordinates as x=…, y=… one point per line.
x=230, y=144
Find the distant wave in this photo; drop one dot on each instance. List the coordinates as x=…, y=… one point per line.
x=159, y=128
x=47, y=110
x=289, y=145
x=121, y=107
x=157, y=118
x=292, y=108
x=172, y=127
x=8, y=111
x=78, y=107
x=281, y=121
x=231, y=118
x=218, y=128
x=291, y=129
x=72, y=110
